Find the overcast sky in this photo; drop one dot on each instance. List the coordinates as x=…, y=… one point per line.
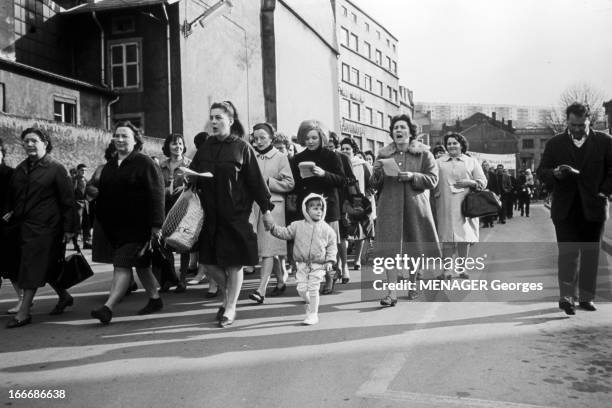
x=498, y=51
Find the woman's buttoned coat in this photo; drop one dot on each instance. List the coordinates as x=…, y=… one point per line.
x=452, y=225
x=42, y=199
x=277, y=174
x=227, y=238
x=405, y=223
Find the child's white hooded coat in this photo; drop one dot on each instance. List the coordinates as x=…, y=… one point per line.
x=314, y=241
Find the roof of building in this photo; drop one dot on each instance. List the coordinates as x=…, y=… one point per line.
x=108, y=5
x=34, y=72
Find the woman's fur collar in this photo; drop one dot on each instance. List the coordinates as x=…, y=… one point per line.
x=414, y=148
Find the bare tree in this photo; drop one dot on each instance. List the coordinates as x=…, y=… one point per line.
x=579, y=92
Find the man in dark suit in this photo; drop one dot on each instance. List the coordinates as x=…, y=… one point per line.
x=502, y=186
x=577, y=167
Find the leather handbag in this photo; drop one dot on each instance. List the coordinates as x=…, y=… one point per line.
x=74, y=269
x=480, y=204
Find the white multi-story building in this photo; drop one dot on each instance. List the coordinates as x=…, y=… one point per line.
x=368, y=81
x=450, y=112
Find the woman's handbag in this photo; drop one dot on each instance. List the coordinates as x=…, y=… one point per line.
x=74, y=269
x=184, y=222
x=356, y=211
x=480, y=204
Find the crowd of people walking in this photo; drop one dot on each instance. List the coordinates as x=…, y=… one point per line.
x=269, y=202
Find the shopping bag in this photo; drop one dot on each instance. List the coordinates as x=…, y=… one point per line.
x=74, y=269
x=183, y=223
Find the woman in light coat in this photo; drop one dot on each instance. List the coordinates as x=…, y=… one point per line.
x=459, y=173
x=405, y=223
x=276, y=172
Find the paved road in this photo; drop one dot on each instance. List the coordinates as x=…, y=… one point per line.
x=418, y=354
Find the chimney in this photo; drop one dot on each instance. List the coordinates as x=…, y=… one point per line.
x=493, y=115
x=510, y=123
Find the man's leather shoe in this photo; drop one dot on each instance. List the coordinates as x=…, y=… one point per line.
x=567, y=307
x=590, y=306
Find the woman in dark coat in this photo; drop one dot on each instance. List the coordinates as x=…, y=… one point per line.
x=329, y=177
x=7, y=271
x=130, y=207
x=42, y=205
x=227, y=240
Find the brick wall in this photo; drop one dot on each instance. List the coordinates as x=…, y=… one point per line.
x=71, y=144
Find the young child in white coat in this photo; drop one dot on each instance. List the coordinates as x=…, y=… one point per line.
x=314, y=251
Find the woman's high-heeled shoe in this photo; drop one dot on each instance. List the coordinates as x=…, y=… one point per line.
x=14, y=323
x=257, y=297
x=388, y=301
x=226, y=321
x=62, y=304
x=278, y=291
x=220, y=313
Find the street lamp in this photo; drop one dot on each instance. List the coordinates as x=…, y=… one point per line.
x=214, y=10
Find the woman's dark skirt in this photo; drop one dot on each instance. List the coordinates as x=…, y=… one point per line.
x=131, y=255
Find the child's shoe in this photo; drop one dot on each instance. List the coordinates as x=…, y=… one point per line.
x=312, y=318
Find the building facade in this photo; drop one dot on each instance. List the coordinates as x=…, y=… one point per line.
x=300, y=63
x=531, y=145
x=450, y=112
x=368, y=89
x=37, y=75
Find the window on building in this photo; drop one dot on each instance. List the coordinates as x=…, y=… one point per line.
x=378, y=34
x=389, y=117
x=125, y=65
x=369, y=115
x=344, y=36
x=370, y=145
x=381, y=119
x=356, y=111
x=346, y=108
x=357, y=140
x=394, y=49
x=354, y=42
x=395, y=67
x=355, y=76
x=367, y=49
x=346, y=76
x=378, y=57
x=367, y=82
x=64, y=110
x=344, y=11
x=123, y=25
x=354, y=17
x=380, y=88
x=528, y=144
x=395, y=96
x=367, y=27
x=388, y=63
x=379, y=145
x=390, y=93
